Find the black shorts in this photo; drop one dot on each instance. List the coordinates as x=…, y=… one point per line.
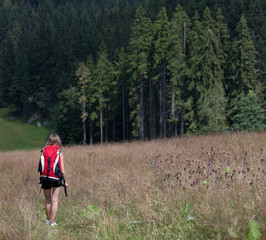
x=48, y=184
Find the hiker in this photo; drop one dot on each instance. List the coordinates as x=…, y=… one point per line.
x=52, y=172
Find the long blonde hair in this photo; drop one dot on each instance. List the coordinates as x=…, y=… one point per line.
x=54, y=139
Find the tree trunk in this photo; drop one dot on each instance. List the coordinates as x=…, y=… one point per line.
x=113, y=126
x=141, y=109
x=84, y=131
x=182, y=113
x=101, y=124
x=151, y=115
x=123, y=111
x=154, y=121
x=176, y=129
x=164, y=100
x=91, y=135
x=84, y=117
x=106, y=127
x=182, y=122
x=161, y=110
x=173, y=113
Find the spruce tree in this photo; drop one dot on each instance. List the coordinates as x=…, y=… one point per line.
x=244, y=73
x=249, y=115
x=84, y=76
x=139, y=49
x=181, y=100
x=66, y=117
x=122, y=80
x=222, y=33
x=105, y=82
x=161, y=43
x=8, y=67
x=92, y=98
x=257, y=22
x=211, y=101
x=235, y=9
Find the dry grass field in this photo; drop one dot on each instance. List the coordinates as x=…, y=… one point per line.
x=205, y=187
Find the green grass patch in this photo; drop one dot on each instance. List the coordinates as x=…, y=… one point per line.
x=17, y=135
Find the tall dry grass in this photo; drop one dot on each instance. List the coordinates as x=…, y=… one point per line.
x=206, y=187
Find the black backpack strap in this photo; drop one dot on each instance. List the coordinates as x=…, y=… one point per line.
x=48, y=167
x=39, y=167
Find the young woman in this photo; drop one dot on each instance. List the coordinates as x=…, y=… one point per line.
x=51, y=168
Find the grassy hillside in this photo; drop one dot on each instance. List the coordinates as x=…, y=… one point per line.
x=17, y=135
x=210, y=187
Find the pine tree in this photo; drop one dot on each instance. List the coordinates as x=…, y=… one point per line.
x=139, y=48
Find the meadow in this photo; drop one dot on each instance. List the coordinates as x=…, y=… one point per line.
x=202, y=187
x=16, y=134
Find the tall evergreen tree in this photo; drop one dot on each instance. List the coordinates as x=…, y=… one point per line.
x=206, y=62
x=222, y=33
x=179, y=71
x=104, y=77
x=250, y=116
x=244, y=76
x=41, y=63
x=257, y=22
x=234, y=10
x=161, y=43
x=84, y=76
x=66, y=117
x=122, y=76
x=92, y=98
x=139, y=48
x=8, y=66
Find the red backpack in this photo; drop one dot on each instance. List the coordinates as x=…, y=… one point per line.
x=50, y=164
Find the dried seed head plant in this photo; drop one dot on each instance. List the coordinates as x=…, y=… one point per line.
x=187, y=188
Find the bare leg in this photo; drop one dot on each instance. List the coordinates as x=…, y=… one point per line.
x=55, y=199
x=47, y=195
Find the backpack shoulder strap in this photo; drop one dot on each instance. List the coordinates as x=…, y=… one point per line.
x=40, y=162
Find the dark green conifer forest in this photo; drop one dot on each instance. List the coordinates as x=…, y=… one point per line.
x=115, y=70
